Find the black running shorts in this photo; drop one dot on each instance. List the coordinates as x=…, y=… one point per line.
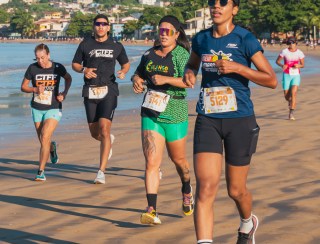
x=238, y=136
x=100, y=108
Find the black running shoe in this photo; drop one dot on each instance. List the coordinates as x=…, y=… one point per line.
x=244, y=238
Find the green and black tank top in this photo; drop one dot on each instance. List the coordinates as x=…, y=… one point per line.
x=172, y=65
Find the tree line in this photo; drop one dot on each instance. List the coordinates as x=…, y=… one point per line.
x=261, y=16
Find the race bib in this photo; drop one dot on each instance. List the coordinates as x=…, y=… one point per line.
x=219, y=99
x=156, y=101
x=293, y=71
x=98, y=92
x=43, y=98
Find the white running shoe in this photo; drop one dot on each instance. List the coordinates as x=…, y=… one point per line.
x=100, y=179
x=291, y=117
x=112, y=140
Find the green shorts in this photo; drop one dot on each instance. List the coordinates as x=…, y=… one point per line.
x=171, y=132
x=42, y=115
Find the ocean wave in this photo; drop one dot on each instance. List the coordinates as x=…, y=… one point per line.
x=11, y=70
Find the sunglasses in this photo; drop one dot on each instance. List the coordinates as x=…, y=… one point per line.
x=101, y=23
x=166, y=31
x=223, y=3
x=291, y=42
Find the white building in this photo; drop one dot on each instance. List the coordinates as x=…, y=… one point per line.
x=126, y=19
x=3, y=1
x=201, y=20
x=30, y=1
x=84, y=2
x=147, y=2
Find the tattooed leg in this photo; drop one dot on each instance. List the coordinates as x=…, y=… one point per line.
x=153, y=145
x=177, y=153
x=148, y=143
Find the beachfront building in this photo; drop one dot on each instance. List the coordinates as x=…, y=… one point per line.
x=51, y=28
x=200, y=21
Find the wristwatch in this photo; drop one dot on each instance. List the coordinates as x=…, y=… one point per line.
x=82, y=69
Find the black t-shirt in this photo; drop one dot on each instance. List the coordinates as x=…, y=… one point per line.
x=50, y=77
x=172, y=65
x=102, y=56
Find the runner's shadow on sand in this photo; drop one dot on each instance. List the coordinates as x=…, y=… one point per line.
x=17, y=236
x=17, y=161
x=53, y=206
x=60, y=167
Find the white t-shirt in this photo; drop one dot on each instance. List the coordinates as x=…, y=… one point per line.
x=290, y=59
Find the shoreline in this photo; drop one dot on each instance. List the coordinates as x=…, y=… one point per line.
x=275, y=48
x=77, y=41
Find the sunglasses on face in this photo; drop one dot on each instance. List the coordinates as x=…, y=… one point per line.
x=291, y=42
x=166, y=31
x=101, y=23
x=223, y=3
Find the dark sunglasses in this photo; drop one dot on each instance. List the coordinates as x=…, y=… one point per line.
x=166, y=31
x=223, y=3
x=291, y=42
x=101, y=23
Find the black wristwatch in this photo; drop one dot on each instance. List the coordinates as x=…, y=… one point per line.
x=82, y=69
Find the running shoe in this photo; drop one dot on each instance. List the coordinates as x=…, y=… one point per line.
x=150, y=217
x=160, y=174
x=53, y=154
x=112, y=140
x=249, y=238
x=187, y=203
x=100, y=179
x=40, y=176
x=291, y=117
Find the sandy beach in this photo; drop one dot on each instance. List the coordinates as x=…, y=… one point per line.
x=69, y=208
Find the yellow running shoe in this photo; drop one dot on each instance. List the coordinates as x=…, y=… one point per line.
x=150, y=217
x=187, y=203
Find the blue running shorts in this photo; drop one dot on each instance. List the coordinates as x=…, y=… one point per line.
x=290, y=80
x=42, y=115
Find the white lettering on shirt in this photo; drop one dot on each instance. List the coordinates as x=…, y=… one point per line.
x=105, y=53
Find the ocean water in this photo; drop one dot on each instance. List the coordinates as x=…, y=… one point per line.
x=15, y=115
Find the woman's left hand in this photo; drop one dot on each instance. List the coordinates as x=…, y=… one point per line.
x=159, y=80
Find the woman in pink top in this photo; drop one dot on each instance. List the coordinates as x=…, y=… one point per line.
x=293, y=61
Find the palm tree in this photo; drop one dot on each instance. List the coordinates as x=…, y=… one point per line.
x=23, y=23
